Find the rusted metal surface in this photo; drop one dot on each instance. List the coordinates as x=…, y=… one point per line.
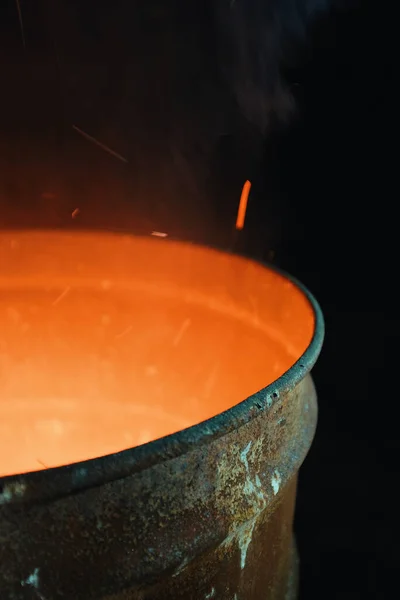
x=204, y=513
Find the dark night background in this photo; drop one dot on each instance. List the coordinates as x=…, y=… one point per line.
x=165, y=86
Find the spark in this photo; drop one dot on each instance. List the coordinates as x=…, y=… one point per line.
x=62, y=295
x=75, y=213
x=102, y=146
x=181, y=332
x=21, y=23
x=244, y=197
x=160, y=234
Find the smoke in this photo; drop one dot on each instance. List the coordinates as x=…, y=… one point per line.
x=254, y=39
x=181, y=72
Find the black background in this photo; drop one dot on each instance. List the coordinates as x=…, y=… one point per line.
x=323, y=207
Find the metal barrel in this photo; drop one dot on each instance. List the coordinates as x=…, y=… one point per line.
x=206, y=509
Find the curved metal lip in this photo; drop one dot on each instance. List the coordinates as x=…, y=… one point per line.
x=57, y=482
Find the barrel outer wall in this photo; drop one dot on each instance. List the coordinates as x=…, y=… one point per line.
x=214, y=522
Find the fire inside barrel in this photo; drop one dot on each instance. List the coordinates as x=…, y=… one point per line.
x=109, y=342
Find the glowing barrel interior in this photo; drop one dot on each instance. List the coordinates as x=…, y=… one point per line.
x=110, y=341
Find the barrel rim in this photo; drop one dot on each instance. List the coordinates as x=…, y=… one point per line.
x=56, y=482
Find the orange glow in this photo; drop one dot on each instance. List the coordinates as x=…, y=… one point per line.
x=244, y=198
x=109, y=341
